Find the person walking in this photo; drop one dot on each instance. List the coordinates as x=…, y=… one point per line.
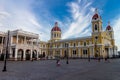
x=106, y=59
x=58, y=62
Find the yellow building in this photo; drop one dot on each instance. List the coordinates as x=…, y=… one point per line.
x=99, y=44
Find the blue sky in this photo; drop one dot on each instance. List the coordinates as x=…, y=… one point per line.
x=73, y=16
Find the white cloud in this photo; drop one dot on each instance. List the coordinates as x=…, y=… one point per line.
x=81, y=12
x=116, y=28
x=19, y=15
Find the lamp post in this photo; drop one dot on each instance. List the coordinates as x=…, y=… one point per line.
x=67, y=62
x=88, y=55
x=5, y=57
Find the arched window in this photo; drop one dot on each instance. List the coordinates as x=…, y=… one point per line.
x=96, y=28
x=54, y=35
x=74, y=44
x=84, y=43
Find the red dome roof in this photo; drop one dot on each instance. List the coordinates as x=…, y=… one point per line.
x=56, y=28
x=95, y=16
x=108, y=27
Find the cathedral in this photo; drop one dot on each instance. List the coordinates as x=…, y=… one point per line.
x=25, y=45
x=101, y=43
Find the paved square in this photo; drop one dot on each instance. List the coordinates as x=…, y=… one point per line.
x=77, y=69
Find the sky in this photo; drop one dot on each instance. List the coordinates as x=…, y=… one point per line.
x=73, y=16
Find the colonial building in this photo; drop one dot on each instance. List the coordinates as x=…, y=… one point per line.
x=101, y=43
x=22, y=45
x=25, y=45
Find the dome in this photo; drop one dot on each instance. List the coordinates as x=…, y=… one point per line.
x=56, y=28
x=95, y=16
x=108, y=27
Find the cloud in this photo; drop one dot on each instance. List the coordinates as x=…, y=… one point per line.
x=116, y=28
x=81, y=12
x=20, y=15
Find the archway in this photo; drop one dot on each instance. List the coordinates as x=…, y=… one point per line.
x=65, y=54
x=107, y=52
x=34, y=54
x=27, y=53
x=20, y=54
x=74, y=54
x=43, y=54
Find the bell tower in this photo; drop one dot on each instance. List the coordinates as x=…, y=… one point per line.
x=110, y=31
x=96, y=33
x=96, y=22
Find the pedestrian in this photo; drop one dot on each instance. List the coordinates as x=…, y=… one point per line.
x=58, y=62
x=106, y=59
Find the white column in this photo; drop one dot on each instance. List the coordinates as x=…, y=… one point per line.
x=37, y=56
x=111, y=52
x=24, y=55
x=31, y=55
x=16, y=54
x=17, y=39
x=2, y=40
x=10, y=51
x=110, y=55
x=11, y=39
x=25, y=40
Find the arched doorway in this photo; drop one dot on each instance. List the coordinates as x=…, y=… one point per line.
x=65, y=54
x=43, y=54
x=20, y=54
x=27, y=53
x=107, y=52
x=34, y=54
x=74, y=54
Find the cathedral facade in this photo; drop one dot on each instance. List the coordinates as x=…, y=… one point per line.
x=101, y=43
x=25, y=45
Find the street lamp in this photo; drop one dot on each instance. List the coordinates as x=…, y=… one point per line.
x=67, y=62
x=5, y=57
x=88, y=55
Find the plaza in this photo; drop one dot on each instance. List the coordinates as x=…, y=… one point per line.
x=77, y=69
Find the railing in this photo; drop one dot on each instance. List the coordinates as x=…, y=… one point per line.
x=26, y=45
